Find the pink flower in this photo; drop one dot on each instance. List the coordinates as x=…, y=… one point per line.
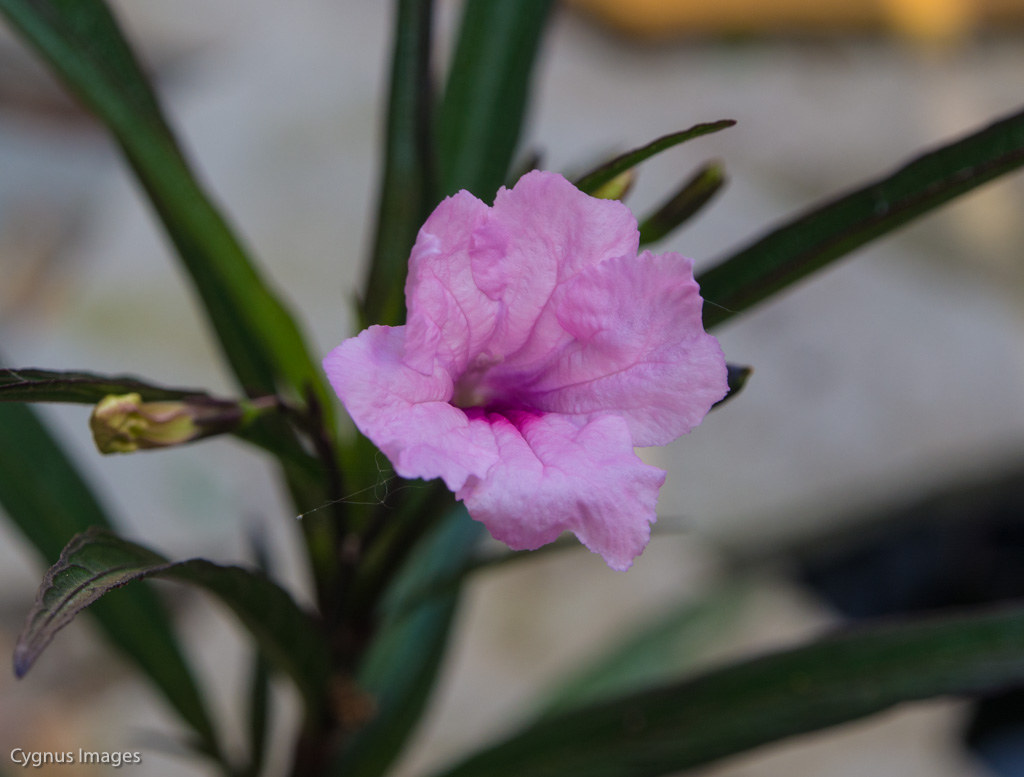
x=539, y=349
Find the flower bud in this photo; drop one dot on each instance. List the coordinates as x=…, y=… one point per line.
x=123, y=423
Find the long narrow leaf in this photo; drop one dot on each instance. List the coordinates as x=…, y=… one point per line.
x=97, y=561
x=259, y=699
x=692, y=196
x=736, y=376
x=597, y=178
x=401, y=665
x=408, y=189
x=656, y=652
x=258, y=713
x=813, y=240
x=733, y=709
x=46, y=498
x=485, y=97
x=32, y=385
x=81, y=41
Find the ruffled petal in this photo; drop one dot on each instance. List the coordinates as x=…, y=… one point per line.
x=549, y=231
x=555, y=474
x=449, y=317
x=407, y=413
x=638, y=349
x=483, y=282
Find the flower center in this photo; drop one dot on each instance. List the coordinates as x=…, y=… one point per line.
x=472, y=388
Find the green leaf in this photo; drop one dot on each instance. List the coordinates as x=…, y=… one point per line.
x=32, y=385
x=486, y=94
x=618, y=187
x=737, y=377
x=692, y=196
x=81, y=42
x=664, y=648
x=259, y=698
x=97, y=561
x=812, y=240
x=46, y=498
x=832, y=681
x=597, y=178
x=304, y=472
x=408, y=189
x=399, y=669
x=258, y=709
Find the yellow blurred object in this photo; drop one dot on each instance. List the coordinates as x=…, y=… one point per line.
x=929, y=20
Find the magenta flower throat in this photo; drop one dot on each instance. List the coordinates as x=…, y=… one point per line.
x=539, y=349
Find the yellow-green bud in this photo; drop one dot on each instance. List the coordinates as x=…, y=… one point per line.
x=123, y=423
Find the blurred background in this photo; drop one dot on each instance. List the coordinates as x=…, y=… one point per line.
x=873, y=465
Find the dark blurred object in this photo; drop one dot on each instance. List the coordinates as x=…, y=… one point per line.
x=961, y=547
x=996, y=733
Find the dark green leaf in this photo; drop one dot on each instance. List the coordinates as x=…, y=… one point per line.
x=737, y=378
x=657, y=652
x=486, y=94
x=81, y=41
x=813, y=240
x=31, y=385
x=97, y=561
x=595, y=179
x=304, y=473
x=258, y=713
x=834, y=680
x=401, y=665
x=684, y=204
x=408, y=189
x=259, y=698
x=46, y=498
x=241, y=418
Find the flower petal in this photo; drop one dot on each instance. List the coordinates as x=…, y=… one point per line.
x=553, y=232
x=449, y=316
x=555, y=474
x=405, y=412
x=482, y=281
x=639, y=349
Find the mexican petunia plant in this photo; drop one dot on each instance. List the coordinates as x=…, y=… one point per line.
x=515, y=349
